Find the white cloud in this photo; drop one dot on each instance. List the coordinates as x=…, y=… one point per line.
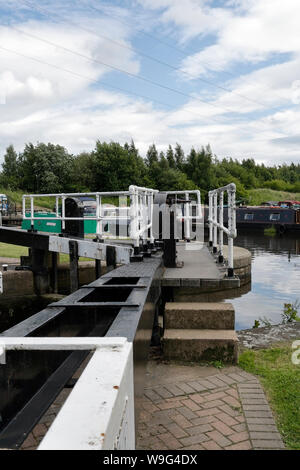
x=251, y=31
x=33, y=92
x=260, y=31
x=43, y=103
x=72, y=38
x=192, y=17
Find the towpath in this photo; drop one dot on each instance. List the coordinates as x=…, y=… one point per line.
x=204, y=408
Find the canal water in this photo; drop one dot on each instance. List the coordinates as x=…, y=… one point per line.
x=275, y=277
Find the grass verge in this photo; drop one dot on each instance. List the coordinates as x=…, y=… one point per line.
x=46, y=203
x=40, y=203
x=257, y=196
x=281, y=381
x=15, y=251
x=12, y=251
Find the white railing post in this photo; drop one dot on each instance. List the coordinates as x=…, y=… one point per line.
x=31, y=213
x=145, y=219
x=231, y=226
x=151, y=209
x=123, y=213
x=57, y=206
x=63, y=212
x=210, y=197
x=187, y=220
x=215, y=224
x=221, y=221
x=133, y=213
x=215, y=219
x=24, y=206
x=98, y=215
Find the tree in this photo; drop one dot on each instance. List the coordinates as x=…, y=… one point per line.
x=163, y=163
x=115, y=167
x=199, y=168
x=179, y=157
x=48, y=168
x=45, y=168
x=152, y=155
x=170, y=157
x=82, y=176
x=10, y=174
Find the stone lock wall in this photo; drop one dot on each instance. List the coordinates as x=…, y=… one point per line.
x=242, y=263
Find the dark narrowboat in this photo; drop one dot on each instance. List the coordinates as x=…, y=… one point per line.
x=280, y=217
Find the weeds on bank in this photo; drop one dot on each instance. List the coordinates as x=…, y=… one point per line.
x=289, y=315
x=217, y=364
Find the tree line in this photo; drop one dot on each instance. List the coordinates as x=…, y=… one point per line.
x=49, y=168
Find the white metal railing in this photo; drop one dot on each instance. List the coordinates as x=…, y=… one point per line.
x=139, y=214
x=188, y=204
x=216, y=222
x=135, y=210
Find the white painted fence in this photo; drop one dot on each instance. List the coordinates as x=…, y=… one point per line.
x=139, y=213
x=135, y=208
x=99, y=412
x=216, y=222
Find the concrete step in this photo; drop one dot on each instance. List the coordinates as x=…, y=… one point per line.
x=199, y=315
x=201, y=345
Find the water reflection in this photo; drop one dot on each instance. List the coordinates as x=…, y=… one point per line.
x=275, y=277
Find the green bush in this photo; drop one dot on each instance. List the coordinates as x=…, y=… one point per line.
x=276, y=185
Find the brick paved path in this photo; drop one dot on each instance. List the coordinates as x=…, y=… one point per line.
x=226, y=410
x=191, y=408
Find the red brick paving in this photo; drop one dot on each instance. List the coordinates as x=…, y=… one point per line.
x=224, y=411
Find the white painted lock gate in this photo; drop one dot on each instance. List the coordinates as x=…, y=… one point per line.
x=99, y=412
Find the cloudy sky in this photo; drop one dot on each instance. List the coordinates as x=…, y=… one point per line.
x=224, y=72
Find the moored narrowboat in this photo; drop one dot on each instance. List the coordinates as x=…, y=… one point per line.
x=281, y=217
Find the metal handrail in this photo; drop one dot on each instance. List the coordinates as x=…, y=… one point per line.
x=216, y=222
x=139, y=214
x=186, y=217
